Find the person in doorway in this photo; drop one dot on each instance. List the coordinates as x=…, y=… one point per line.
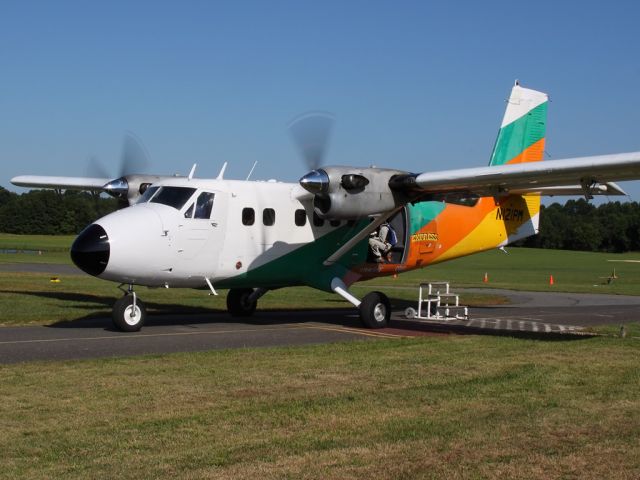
x=381, y=241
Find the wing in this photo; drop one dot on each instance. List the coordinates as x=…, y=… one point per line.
x=63, y=183
x=129, y=187
x=584, y=175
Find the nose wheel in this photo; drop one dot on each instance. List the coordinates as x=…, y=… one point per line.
x=129, y=313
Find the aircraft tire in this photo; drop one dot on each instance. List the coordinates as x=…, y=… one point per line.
x=375, y=310
x=123, y=316
x=238, y=304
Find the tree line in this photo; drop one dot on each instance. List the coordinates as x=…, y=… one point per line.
x=576, y=225
x=580, y=225
x=47, y=212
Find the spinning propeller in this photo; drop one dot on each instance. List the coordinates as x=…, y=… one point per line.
x=133, y=161
x=310, y=132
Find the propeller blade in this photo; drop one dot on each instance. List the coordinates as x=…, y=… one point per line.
x=96, y=169
x=134, y=156
x=311, y=132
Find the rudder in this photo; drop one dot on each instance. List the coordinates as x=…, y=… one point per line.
x=522, y=132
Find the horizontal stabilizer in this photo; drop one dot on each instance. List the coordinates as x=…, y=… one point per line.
x=609, y=189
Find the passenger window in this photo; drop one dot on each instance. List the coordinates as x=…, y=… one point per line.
x=189, y=212
x=268, y=216
x=317, y=221
x=204, y=205
x=301, y=218
x=248, y=216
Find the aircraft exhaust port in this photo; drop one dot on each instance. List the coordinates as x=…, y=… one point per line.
x=90, y=251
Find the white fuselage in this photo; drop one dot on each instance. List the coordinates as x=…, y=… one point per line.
x=250, y=224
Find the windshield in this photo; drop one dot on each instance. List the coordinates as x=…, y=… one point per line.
x=147, y=194
x=174, y=197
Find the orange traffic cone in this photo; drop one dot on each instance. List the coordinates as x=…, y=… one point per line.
x=550, y=279
x=486, y=278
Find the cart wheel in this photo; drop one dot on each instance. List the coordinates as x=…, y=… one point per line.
x=410, y=313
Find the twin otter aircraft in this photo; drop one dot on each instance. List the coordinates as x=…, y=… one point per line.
x=251, y=237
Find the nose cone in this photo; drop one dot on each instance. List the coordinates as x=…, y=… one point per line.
x=90, y=251
x=316, y=181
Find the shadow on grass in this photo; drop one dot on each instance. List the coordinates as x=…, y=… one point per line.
x=183, y=315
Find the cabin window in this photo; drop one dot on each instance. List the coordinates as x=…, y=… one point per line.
x=248, y=216
x=204, y=205
x=334, y=223
x=174, y=197
x=317, y=221
x=301, y=217
x=268, y=216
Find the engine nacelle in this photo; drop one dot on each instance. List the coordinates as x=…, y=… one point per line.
x=349, y=192
x=131, y=187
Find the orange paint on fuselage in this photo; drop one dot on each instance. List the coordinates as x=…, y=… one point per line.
x=463, y=230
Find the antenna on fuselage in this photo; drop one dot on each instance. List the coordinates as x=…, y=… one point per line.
x=251, y=171
x=193, y=170
x=221, y=174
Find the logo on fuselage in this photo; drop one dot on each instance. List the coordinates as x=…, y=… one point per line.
x=424, y=237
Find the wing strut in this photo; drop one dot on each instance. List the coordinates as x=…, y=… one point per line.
x=360, y=236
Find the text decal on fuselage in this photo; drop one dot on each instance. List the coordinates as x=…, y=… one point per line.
x=424, y=237
x=509, y=214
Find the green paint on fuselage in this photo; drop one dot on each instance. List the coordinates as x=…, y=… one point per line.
x=422, y=213
x=304, y=265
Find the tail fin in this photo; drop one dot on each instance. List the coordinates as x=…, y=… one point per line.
x=522, y=133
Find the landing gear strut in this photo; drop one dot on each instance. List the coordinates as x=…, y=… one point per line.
x=129, y=313
x=375, y=308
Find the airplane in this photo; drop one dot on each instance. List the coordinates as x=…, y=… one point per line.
x=251, y=237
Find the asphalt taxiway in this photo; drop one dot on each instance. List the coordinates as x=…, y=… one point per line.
x=529, y=314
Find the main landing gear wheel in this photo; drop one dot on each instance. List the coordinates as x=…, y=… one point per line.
x=238, y=303
x=126, y=317
x=375, y=310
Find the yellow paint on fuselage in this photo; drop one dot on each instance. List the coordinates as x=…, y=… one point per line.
x=500, y=225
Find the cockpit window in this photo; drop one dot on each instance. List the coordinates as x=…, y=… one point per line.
x=204, y=204
x=174, y=197
x=189, y=212
x=149, y=192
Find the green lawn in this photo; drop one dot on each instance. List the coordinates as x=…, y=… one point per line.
x=447, y=407
x=442, y=407
x=41, y=248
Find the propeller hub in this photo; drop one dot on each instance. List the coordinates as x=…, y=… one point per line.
x=117, y=188
x=316, y=181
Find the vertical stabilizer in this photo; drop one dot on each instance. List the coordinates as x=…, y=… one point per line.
x=522, y=133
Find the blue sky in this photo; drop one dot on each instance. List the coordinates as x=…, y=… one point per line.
x=413, y=85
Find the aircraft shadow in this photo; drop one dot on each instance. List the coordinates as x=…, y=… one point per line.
x=182, y=315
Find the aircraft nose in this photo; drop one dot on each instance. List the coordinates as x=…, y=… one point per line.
x=90, y=251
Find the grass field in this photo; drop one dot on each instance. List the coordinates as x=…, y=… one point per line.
x=447, y=407
x=40, y=248
x=444, y=407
